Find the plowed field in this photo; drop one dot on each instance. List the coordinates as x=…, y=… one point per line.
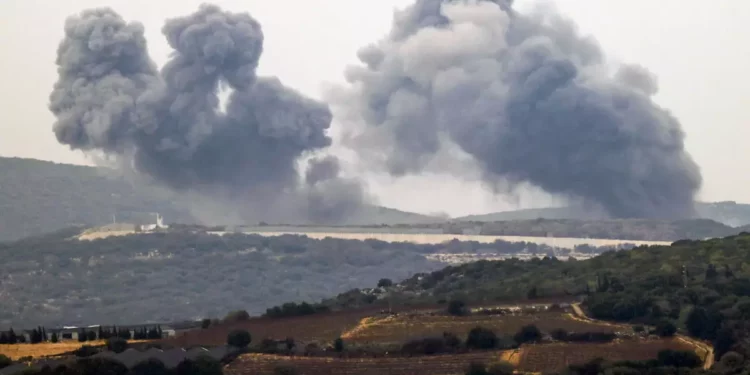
x=255, y=364
x=404, y=327
x=543, y=358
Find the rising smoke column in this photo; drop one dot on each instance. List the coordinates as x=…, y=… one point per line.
x=528, y=98
x=110, y=97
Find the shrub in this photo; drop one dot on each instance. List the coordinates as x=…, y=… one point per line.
x=237, y=316
x=202, y=365
x=5, y=361
x=85, y=351
x=451, y=340
x=500, y=368
x=338, y=345
x=385, y=283
x=239, y=338
x=151, y=366
x=54, y=338
x=529, y=333
x=665, y=328
x=205, y=323
x=117, y=344
x=426, y=346
x=679, y=358
x=481, y=338
x=457, y=308
x=638, y=328
x=476, y=368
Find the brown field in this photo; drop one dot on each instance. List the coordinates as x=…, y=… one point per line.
x=543, y=358
x=320, y=328
x=409, y=326
x=259, y=364
x=16, y=351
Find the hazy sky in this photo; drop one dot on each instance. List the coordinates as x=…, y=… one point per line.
x=697, y=49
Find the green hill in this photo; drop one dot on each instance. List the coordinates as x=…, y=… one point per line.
x=37, y=197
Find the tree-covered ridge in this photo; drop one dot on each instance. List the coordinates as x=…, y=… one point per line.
x=38, y=197
x=702, y=287
x=187, y=273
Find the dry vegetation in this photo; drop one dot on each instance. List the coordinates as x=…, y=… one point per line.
x=16, y=351
x=252, y=364
x=409, y=326
x=320, y=328
x=544, y=358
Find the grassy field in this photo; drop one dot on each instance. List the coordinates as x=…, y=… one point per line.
x=551, y=357
x=409, y=326
x=16, y=351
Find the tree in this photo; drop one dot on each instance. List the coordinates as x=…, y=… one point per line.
x=481, y=338
x=239, y=338
x=12, y=338
x=385, y=283
x=91, y=336
x=82, y=337
x=532, y=293
x=205, y=323
x=237, y=316
x=457, y=308
x=697, y=321
x=665, y=328
x=54, y=338
x=529, y=333
x=117, y=344
x=338, y=345
x=290, y=344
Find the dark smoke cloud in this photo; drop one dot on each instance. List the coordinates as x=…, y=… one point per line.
x=528, y=98
x=110, y=97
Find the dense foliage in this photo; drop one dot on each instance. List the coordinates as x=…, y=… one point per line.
x=699, y=287
x=184, y=273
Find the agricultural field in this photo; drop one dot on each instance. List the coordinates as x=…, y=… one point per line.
x=403, y=327
x=322, y=328
x=551, y=357
x=260, y=364
x=16, y=351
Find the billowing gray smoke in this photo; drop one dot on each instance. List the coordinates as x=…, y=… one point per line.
x=167, y=124
x=528, y=98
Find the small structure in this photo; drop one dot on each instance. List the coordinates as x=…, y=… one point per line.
x=151, y=227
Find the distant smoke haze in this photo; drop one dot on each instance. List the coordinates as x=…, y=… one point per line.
x=528, y=98
x=111, y=99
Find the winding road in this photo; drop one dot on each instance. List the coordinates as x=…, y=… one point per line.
x=708, y=358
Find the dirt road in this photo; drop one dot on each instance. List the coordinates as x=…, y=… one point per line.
x=700, y=347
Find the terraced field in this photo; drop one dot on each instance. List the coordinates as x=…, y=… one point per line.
x=259, y=364
x=320, y=328
x=401, y=328
x=551, y=357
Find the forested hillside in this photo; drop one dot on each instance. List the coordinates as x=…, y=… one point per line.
x=38, y=197
x=702, y=287
x=184, y=274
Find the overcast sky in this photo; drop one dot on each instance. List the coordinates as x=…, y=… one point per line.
x=697, y=49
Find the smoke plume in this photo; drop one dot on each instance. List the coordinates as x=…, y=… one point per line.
x=111, y=98
x=528, y=98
